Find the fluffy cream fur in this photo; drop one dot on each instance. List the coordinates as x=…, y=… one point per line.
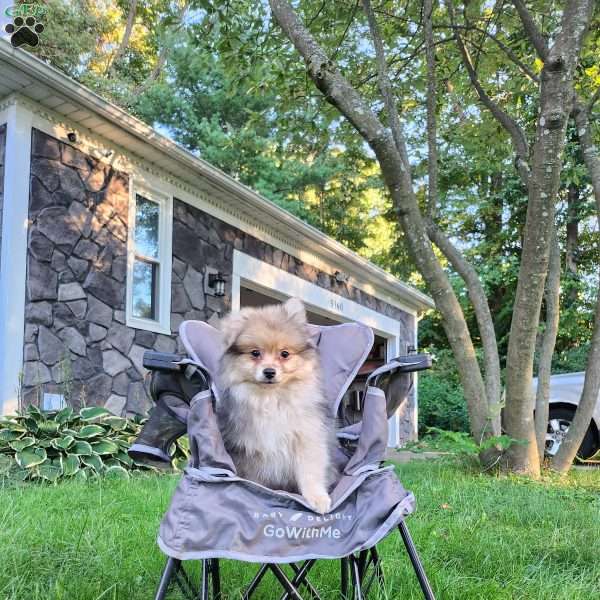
x=273, y=414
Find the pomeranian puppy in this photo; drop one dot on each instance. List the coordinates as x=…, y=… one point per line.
x=273, y=416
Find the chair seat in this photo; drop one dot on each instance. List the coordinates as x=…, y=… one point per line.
x=215, y=516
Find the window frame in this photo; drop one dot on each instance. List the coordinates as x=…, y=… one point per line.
x=162, y=324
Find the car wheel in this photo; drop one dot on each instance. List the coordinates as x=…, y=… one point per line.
x=559, y=421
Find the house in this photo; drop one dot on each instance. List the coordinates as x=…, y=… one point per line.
x=112, y=235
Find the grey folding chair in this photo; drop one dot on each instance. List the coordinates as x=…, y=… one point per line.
x=215, y=514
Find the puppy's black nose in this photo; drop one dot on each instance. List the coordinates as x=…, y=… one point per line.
x=269, y=373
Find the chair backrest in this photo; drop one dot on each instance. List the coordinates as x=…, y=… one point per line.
x=342, y=348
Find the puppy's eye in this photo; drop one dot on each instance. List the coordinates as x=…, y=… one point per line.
x=255, y=353
x=284, y=354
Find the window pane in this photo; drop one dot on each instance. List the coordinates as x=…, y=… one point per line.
x=145, y=276
x=146, y=227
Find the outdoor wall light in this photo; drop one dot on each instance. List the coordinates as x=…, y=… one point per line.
x=341, y=277
x=214, y=282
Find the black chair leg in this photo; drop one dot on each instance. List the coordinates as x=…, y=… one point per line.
x=416, y=562
x=300, y=578
x=255, y=582
x=204, y=580
x=165, y=579
x=285, y=582
x=344, y=579
x=215, y=576
x=356, y=579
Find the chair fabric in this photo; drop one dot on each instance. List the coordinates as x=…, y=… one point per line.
x=216, y=514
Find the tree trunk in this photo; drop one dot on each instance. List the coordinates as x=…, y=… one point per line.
x=555, y=103
x=338, y=92
x=567, y=451
x=552, y=297
x=126, y=35
x=477, y=295
x=563, y=459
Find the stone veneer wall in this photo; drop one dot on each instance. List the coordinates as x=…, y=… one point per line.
x=2, y=155
x=76, y=339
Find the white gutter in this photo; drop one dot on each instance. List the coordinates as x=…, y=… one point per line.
x=67, y=87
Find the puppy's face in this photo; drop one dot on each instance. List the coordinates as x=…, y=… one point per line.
x=268, y=346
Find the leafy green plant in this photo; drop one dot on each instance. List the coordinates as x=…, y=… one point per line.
x=457, y=442
x=38, y=445
x=441, y=399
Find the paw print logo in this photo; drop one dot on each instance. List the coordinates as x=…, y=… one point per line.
x=24, y=31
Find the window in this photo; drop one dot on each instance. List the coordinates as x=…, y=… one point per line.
x=149, y=262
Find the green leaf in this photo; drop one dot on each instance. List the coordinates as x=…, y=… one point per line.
x=105, y=447
x=35, y=413
x=93, y=412
x=180, y=463
x=63, y=443
x=81, y=475
x=6, y=463
x=22, y=474
x=116, y=423
x=81, y=448
x=50, y=472
x=19, y=445
x=30, y=457
x=48, y=426
x=70, y=465
x=116, y=472
x=125, y=458
x=31, y=424
x=90, y=431
x=93, y=461
x=64, y=415
x=9, y=435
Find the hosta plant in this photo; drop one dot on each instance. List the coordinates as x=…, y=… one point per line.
x=38, y=445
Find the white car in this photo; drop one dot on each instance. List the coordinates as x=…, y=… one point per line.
x=565, y=393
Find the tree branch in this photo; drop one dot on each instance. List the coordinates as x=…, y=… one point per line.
x=385, y=88
x=506, y=49
x=531, y=29
x=516, y=134
x=484, y=319
x=126, y=36
x=432, y=154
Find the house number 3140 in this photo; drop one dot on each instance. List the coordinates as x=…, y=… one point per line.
x=336, y=305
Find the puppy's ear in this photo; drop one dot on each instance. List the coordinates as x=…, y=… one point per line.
x=295, y=310
x=231, y=326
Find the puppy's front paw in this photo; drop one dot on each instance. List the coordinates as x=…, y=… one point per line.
x=321, y=502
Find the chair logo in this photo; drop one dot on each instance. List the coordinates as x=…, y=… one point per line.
x=312, y=526
x=26, y=26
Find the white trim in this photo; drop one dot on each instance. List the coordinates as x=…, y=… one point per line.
x=262, y=277
x=15, y=222
x=165, y=260
x=393, y=350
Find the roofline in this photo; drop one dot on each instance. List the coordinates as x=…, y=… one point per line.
x=68, y=87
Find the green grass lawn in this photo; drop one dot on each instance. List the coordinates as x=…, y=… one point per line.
x=479, y=536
